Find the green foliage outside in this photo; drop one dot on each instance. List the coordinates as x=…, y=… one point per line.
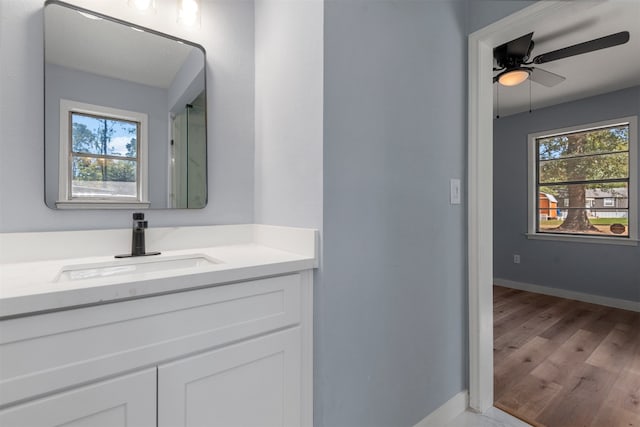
x=591, y=155
x=96, y=142
x=90, y=169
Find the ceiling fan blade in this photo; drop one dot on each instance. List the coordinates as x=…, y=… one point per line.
x=519, y=47
x=545, y=78
x=586, y=47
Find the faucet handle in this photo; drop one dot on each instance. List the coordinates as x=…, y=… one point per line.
x=137, y=238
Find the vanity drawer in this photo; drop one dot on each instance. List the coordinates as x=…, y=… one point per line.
x=43, y=353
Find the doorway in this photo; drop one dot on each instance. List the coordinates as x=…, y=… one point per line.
x=480, y=188
x=187, y=156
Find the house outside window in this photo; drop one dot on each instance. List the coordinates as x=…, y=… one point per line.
x=103, y=157
x=593, y=170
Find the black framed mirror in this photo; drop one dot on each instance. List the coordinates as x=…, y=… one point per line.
x=125, y=114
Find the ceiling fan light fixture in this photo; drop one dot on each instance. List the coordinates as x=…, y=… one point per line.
x=513, y=77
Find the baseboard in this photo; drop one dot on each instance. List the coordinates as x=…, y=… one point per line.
x=447, y=412
x=562, y=293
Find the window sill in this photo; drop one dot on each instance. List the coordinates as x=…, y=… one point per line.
x=100, y=204
x=584, y=239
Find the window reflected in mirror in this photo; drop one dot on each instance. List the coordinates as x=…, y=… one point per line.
x=104, y=158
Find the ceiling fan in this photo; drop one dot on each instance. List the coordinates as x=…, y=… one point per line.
x=514, y=65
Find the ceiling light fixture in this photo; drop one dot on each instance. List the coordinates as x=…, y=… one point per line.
x=143, y=5
x=513, y=77
x=189, y=13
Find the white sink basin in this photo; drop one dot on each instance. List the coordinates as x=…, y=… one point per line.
x=134, y=266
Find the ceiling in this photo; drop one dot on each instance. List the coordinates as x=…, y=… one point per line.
x=111, y=49
x=586, y=75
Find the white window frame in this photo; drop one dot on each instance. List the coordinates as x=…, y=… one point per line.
x=609, y=202
x=64, y=185
x=632, y=240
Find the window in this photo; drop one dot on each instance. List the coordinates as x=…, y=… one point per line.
x=593, y=170
x=103, y=157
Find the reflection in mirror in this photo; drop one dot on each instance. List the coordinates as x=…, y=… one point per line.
x=125, y=114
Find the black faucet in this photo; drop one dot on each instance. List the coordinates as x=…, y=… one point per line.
x=137, y=238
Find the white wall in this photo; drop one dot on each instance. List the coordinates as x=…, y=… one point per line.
x=288, y=112
x=227, y=35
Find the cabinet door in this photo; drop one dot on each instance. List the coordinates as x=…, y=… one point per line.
x=252, y=383
x=124, y=401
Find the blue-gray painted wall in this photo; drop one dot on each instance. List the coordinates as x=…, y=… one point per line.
x=390, y=306
x=390, y=298
x=598, y=269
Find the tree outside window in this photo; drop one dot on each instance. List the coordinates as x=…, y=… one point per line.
x=584, y=168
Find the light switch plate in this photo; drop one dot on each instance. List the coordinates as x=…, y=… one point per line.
x=455, y=191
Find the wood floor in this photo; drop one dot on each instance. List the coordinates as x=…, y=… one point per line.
x=564, y=363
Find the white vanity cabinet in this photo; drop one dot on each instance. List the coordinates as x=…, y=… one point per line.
x=234, y=354
x=120, y=402
x=253, y=383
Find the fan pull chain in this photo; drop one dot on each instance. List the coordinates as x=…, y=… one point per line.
x=497, y=101
x=529, y=96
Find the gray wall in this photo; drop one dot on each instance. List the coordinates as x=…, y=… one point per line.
x=391, y=305
x=226, y=33
x=606, y=270
x=65, y=83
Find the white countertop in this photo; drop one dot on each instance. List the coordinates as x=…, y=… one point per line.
x=30, y=285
